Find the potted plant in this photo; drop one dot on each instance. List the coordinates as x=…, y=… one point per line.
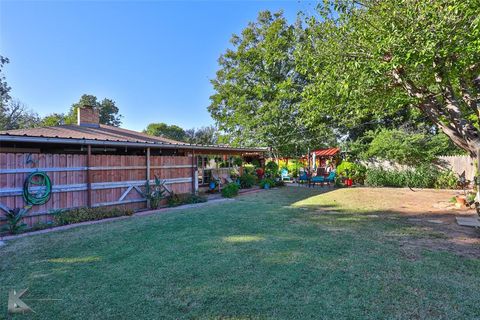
x=348, y=178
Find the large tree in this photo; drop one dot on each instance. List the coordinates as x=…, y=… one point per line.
x=258, y=91
x=4, y=88
x=14, y=115
x=108, y=111
x=371, y=58
x=205, y=135
x=167, y=131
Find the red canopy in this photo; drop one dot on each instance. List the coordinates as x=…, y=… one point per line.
x=326, y=152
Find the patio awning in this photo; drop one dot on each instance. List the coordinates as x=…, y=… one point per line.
x=326, y=152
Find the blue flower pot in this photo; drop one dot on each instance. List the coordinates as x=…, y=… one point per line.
x=266, y=186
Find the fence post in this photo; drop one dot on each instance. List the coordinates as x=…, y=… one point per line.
x=89, y=177
x=148, y=172
x=194, y=174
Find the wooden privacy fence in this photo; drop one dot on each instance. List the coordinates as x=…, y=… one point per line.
x=95, y=180
x=459, y=164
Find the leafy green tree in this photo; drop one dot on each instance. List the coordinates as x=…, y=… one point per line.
x=15, y=115
x=108, y=111
x=54, y=119
x=375, y=59
x=4, y=88
x=204, y=135
x=161, y=129
x=407, y=148
x=258, y=91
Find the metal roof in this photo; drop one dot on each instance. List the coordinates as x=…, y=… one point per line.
x=326, y=152
x=105, y=135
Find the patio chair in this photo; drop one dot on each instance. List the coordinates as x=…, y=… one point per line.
x=303, y=178
x=227, y=178
x=284, y=175
x=217, y=179
x=315, y=180
x=331, y=177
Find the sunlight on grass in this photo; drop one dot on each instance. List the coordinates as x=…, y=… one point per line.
x=75, y=260
x=242, y=238
x=321, y=199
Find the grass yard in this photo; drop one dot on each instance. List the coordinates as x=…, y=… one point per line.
x=289, y=253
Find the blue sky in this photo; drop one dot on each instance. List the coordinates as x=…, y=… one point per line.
x=154, y=58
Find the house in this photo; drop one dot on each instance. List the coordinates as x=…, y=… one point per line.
x=94, y=165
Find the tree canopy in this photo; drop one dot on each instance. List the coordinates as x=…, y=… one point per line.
x=4, y=87
x=258, y=90
x=167, y=131
x=368, y=59
x=108, y=111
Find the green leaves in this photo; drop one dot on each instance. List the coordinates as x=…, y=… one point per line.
x=258, y=88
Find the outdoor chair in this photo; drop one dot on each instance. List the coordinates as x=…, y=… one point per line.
x=217, y=179
x=322, y=179
x=331, y=177
x=227, y=178
x=303, y=178
x=315, y=180
x=285, y=176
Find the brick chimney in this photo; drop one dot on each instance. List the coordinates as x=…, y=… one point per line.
x=87, y=116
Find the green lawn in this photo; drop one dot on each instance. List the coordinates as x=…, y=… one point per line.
x=262, y=256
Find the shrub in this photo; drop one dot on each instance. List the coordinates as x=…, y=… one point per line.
x=14, y=218
x=279, y=183
x=247, y=181
x=237, y=161
x=351, y=170
x=271, y=169
x=420, y=177
x=249, y=169
x=69, y=216
x=156, y=193
x=175, y=200
x=266, y=181
x=447, y=179
x=294, y=167
x=230, y=190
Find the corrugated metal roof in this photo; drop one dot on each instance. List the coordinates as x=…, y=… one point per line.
x=106, y=133
x=326, y=152
x=102, y=132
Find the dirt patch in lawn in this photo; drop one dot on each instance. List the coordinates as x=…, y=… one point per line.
x=428, y=214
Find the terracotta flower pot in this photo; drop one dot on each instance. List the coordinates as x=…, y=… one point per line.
x=461, y=200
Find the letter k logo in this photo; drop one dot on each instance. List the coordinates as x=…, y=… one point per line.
x=15, y=305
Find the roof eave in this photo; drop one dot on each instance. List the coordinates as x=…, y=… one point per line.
x=95, y=142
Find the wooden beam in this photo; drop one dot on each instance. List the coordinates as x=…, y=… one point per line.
x=68, y=169
x=89, y=176
x=148, y=173
x=194, y=174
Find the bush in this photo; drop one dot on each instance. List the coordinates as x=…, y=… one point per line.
x=271, y=169
x=156, y=193
x=266, y=181
x=70, y=216
x=351, y=170
x=447, y=180
x=279, y=183
x=247, y=181
x=176, y=200
x=14, y=218
x=249, y=169
x=230, y=190
x=420, y=177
